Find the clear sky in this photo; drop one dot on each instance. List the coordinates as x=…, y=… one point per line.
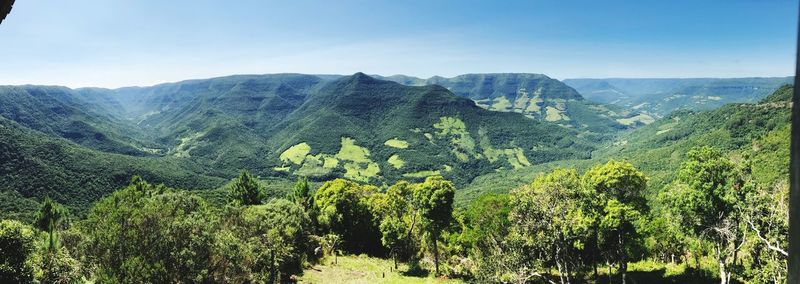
x=110, y=43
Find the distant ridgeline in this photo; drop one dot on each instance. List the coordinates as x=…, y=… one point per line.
x=759, y=131
x=660, y=97
x=77, y=145
x=536, y=96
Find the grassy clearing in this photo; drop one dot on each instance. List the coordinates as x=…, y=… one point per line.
x=396, y=162
x=296, y=153
x=362, y=269
x=396, y=143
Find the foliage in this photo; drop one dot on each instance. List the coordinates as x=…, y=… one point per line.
x=344, y=209
x=16, y=247
x=552, y=218
x=245, y=190
x=433, y=200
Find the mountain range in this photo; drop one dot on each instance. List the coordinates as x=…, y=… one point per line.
x=660, y=97
x=77, y=145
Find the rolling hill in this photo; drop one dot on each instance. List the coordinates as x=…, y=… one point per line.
x=536, y=96
x=659, y=97
x=757, y=129
x=200, y=133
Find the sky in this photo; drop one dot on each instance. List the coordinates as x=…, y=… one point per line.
x=108, y=43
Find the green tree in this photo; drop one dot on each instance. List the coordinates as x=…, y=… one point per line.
x=48, y=218
x=149, y=233
x=278, y=233
x=705, y=200
x=301, y=193
x=551, y=217
x=16, y=247
x=344, y=209
x=395, y=215
x=245, y=190
x=617, y=189
x=433, y=199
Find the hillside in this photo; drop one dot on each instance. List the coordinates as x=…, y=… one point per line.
x=60, y=112
x=379, y=131
x=536, y=96
x=199, y=133
x=34, y=165
x=757, y=129
x=660, y=97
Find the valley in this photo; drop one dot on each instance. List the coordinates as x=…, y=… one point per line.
x=479, y=138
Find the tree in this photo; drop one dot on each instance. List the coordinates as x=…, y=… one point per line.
x=433, y=199
x=550, y=216
x=301, y=193
x=278, y=234
x=47, y=219
x=617, y=189
x=705, y=199
x=245, y=190
x=16, y=247
x=393, y=210
x=149, y=233
x=344, y=209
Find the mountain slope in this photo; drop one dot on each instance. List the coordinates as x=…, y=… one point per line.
x=61, y=112
x=361, y=127
x=659, y=97
x=35, y=165
x=536, y=96
x=658, y=149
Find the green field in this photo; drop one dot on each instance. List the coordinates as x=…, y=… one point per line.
x=364, y=269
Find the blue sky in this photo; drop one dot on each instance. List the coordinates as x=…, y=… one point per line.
x=120, y=43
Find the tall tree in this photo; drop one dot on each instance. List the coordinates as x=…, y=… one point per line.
x=433, y=199
x=48, y=218
x=16, y=247
x=245, y=190
x=707, y=199
x=301, y=193
x=552, y=217
x=617, y=188
x=396, y=219
x=344, y=209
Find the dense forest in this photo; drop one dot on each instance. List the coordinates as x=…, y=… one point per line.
x=693, y=197
x=714, y=220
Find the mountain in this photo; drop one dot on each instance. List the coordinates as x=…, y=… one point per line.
x=659, y=97
x=368, y=129
x=536, y=96
x=757, y=129
x=199, y=133
x=36, y=165
x=59, y=111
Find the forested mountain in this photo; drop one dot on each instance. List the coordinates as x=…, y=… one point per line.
x=634, y=201
x=34, y=165
x=660, y=147
x=282, y=125
x=537, y=96
x=659, y=97
x=61, y=112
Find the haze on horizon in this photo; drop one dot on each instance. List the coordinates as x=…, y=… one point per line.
x=123, y=43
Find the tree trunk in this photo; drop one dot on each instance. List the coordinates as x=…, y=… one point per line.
x=723, y=277
x=436, y=255
x=623, y=262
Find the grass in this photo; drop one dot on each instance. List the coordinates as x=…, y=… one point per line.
x=296, y=153
x=363, y=269
x=396, y=143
